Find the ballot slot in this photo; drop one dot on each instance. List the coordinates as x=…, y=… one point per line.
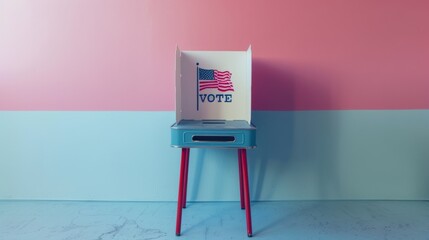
x=199, y=138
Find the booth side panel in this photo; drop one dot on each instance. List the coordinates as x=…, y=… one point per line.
x=249, y=83
x=178, y=87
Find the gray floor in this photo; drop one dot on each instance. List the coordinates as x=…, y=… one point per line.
x=221, y=220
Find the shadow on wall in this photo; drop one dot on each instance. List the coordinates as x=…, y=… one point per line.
x=296, y=157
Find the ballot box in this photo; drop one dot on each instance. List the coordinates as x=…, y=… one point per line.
x=213, y=110
x=213, y=99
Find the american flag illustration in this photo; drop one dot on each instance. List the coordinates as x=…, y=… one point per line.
x=210, y=78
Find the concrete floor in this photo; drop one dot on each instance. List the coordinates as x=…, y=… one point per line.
x=32, y=220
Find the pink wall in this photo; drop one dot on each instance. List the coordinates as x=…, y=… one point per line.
x=308, y=54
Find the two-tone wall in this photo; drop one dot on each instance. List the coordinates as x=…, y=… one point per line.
x=340, y=98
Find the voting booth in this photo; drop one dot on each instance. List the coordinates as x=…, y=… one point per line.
x=213, y=110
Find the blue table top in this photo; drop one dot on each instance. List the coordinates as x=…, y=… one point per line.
x=213, y=133
x=213, y=124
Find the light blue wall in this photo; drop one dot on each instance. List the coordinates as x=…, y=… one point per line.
x=300, y=155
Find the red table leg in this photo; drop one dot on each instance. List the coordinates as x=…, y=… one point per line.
x=240, y=173
x=180, y=197
x=185, y=186
x=246, y=192
x=244, y=188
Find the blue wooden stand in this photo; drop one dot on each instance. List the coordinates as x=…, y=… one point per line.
x=238, y=134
